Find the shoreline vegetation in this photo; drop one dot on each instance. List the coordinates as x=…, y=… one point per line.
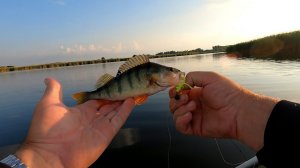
x=215, y=49
x=284, y=46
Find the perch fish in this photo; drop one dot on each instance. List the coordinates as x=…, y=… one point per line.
x=137, y=78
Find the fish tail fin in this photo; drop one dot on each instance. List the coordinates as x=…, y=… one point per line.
x=80, y=97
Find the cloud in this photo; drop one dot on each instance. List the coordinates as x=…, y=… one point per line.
x=132, y=47
x=136, y=46
x=118, y=48
x=91, y=48
x=60, y=2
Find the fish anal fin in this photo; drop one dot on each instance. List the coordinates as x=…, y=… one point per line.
x=140, y=99
x=133, y=62
x=80, y=97
x=103, y=80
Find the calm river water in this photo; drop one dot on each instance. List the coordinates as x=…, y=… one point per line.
x=149, y=138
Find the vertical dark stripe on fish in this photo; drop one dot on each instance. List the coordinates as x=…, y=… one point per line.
x=107, y=91
x=129, y=79
x=137, y=74
x=119, y=85
x=148, y=67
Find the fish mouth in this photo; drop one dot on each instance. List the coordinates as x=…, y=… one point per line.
x=181, y=75
x=161, y=85
x=172, y=79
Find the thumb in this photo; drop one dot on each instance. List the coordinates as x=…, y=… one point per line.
x=53, y=92
x=201, y=79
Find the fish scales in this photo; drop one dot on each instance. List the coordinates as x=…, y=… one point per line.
x=120, y=86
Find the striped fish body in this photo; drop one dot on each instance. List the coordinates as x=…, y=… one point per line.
x=137, y=81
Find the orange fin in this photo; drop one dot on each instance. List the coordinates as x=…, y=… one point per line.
x=80, y=97
x=105, y=102
x=140, y=99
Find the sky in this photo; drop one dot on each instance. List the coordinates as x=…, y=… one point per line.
x=45, y=31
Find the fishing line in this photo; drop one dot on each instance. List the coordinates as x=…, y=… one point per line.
x=232, y=142
x=170, y=138
x=224, y=160
x=189, y=86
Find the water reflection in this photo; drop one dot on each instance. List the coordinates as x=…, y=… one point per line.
x=146, y=134
x=218, y=55
x=126, y=137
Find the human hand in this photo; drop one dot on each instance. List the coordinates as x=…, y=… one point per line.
x=220, y=108
x=61, y=136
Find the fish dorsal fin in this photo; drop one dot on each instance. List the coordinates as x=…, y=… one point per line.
x=133, y=62
x=103, y=80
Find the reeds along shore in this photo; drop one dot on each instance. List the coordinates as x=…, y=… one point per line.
x=285, y=46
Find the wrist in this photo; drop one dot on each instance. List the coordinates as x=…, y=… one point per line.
x=11, y=161
x=34, y=157
x=252, y=119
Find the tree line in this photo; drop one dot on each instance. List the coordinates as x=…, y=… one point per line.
x=103, y=60
x=192, y=52
x=58, y=64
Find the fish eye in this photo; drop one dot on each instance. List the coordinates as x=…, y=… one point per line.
x=171, y=69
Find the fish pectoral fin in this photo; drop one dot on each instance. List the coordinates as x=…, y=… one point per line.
x=152, y=80
x=80, y=97
x=140, y=99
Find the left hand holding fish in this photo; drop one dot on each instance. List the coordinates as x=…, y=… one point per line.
x=61, y=136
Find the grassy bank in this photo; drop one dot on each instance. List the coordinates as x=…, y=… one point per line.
x=279, y=47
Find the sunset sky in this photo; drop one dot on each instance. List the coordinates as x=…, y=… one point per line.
x=44, y=31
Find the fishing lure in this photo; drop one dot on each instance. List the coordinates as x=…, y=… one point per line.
x=182, y=85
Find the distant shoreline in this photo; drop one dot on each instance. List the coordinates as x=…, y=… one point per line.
x=279, y=47
x=97, y=61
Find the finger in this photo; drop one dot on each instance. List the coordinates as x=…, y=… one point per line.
x=94, y=105
x=91, y=104
x=106, y=109
x=123, y=113
x=174, y=104
x=191, y=106
x=172, y=92
x=90, y=109
x=53, y=92
x=201, y=79
x=111, y=114
x=183, y=123
x=195, y=93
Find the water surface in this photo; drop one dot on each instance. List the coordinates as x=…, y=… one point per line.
x=149, y=135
